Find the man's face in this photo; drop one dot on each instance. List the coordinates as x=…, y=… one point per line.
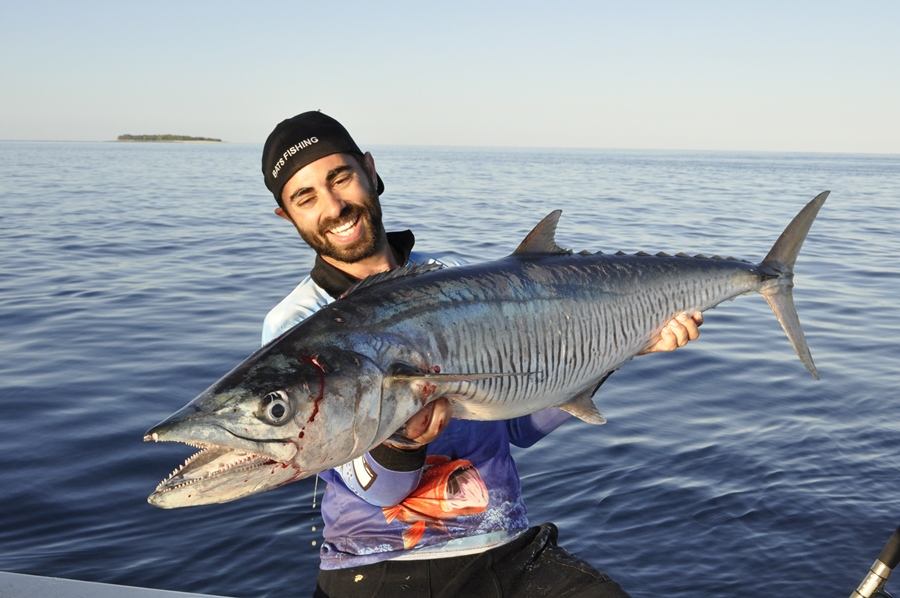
x=333, y=205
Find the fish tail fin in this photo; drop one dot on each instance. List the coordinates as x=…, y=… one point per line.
x=780, y=263
x=782, y=303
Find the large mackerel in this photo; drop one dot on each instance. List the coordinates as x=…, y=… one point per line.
x=540, y=328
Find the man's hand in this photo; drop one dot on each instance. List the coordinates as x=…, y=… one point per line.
x=677, y=333
x=427, y=424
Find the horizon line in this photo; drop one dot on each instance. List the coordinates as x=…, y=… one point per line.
x=486, y=147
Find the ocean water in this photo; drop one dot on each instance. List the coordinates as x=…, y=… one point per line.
x=133, y=275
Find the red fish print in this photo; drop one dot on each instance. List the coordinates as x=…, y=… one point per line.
x=447, y=489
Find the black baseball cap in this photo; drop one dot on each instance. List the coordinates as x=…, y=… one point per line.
x=300, y=140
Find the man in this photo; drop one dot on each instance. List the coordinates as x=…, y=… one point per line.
x=445, y=518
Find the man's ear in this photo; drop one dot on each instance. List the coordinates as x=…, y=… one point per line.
x=279, y=211
x=370, y=167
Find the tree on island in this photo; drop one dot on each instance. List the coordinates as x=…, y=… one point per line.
x=128, y=137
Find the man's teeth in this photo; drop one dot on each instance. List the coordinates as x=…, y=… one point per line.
x=343, y=229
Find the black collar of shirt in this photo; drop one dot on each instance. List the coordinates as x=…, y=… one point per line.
x=336, y=282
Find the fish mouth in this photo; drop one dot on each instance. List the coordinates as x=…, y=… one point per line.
x=217, y=473
x=210, y=461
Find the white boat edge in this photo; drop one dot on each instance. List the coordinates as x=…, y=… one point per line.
x=16, y=585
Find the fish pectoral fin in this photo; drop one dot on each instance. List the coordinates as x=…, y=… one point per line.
x=584, y=409
x=403, y=371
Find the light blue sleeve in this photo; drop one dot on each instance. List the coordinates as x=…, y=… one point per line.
x=377, y=484
x=305, y=300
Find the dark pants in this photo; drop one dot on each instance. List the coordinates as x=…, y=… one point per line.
x=532, y=566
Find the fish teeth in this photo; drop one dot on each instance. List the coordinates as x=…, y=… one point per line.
x=239, y=460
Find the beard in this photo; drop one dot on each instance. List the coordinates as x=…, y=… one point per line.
x=369, y=215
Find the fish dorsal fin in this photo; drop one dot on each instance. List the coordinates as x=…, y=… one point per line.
x=542, y=238
x=408, y=270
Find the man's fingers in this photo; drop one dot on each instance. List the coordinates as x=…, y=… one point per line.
x=697, y=317
x=685, y=328
x=693, y=324
x=429, y=422
x=677, y=333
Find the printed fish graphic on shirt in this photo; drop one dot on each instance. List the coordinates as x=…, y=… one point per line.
x=447, y=489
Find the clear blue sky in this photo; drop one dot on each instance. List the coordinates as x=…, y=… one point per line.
x=780, y=76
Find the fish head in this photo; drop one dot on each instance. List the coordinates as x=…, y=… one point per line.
x=280, y=416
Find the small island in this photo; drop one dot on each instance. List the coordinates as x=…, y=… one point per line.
x=127, y=137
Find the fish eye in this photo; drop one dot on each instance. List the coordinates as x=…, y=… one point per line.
x=275, y=407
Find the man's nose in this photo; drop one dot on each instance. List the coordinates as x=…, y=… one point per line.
x=332, y=204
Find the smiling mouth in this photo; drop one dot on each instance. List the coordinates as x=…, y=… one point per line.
x=346, y=229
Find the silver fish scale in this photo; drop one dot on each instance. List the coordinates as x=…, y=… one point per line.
x=565, y=321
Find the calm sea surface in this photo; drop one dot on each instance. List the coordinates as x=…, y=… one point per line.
x=133, y=275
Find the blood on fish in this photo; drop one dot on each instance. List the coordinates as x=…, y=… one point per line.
x=321, y=373
x=427, y=391
x=315, y=411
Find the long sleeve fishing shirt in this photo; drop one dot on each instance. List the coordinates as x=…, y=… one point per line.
x=458, y=495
